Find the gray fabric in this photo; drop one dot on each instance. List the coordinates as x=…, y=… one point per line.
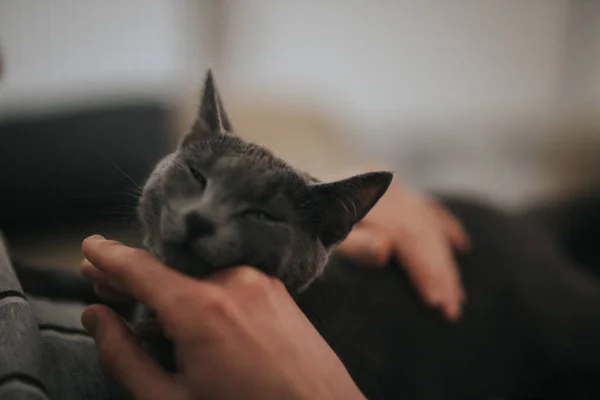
x=44, y=350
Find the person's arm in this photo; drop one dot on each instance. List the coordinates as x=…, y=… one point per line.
x=237, y=334
x=418, y=232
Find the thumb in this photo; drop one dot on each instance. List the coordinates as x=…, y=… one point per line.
x=124, y=359
x=367, y=246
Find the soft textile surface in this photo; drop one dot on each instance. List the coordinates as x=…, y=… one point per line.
x=44, y=350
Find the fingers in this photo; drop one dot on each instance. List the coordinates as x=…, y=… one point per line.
x=123, y=358
x=452, y=228
x=367, y=246
x=101, y=286
x=149, y=330
x=247, y=286
x=425, y=255
x=92, y=273
x=108, y=293
x=435, y=276
x=133, y=272
x=447, y=294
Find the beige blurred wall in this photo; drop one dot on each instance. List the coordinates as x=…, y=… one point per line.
x=463, y=95
x=70, y=54
x=496, y=97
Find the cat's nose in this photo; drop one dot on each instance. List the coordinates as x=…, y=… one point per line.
x=198, y=226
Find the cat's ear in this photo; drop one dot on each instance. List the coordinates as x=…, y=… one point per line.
x=337, y=206
x=212, y=118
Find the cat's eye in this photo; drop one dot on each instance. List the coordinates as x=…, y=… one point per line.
x=198, y=176
x=260, y=215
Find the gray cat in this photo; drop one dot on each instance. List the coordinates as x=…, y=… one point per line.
x=219, y=201
x=531, y=327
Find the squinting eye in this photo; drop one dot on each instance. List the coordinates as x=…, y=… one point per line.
x=198, y=176
x=260, y=215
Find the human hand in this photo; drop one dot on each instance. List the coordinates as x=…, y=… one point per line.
x=237, y=334
x=419, y=233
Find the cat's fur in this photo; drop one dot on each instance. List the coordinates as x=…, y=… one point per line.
x=219, y=201
x=530, y=327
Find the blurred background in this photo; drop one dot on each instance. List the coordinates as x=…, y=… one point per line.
x=496, y=99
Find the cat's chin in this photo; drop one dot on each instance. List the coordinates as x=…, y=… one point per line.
x=185, y=260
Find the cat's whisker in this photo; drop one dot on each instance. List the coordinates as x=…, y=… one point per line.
x=126, y=175
x=133, y=195
x=133, y=211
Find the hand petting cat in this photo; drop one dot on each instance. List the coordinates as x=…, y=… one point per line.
x=418, y=232
x=237, y=334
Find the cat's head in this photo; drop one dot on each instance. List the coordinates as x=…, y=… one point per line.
x=218, y=202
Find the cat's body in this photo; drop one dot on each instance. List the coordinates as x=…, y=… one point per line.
x=530, y=320
x=531, y=325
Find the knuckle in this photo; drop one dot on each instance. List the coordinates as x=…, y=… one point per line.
x=251, y=278
x=190, y=311
x=409, y=237
x=182, y=299
x=246, y=273
x=217, y=303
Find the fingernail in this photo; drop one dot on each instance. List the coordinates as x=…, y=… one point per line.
x=89, y=320
x=95, y=237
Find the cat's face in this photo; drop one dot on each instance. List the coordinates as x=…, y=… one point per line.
x=218, y=202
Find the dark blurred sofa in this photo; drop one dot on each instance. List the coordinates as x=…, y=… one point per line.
x=80, y=164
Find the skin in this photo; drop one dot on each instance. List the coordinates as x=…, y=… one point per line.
x=220, y=327
x=420, y=234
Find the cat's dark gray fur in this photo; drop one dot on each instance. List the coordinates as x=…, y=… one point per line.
x=530, y=329
x=219, y=201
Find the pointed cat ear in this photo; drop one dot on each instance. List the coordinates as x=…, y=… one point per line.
x=337, y=206
x=212, y=118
